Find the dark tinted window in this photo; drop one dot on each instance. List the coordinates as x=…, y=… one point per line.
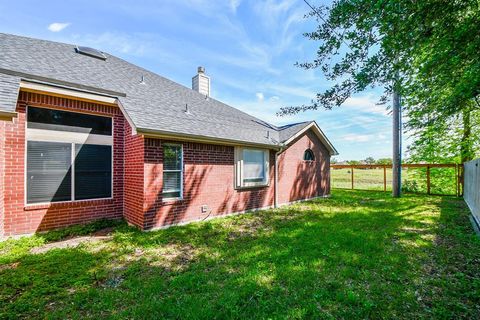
x=93, y=171
x=48, y=171
x=308, y=155
x=40, y=118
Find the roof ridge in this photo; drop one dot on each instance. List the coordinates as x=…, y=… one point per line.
x=289, y=125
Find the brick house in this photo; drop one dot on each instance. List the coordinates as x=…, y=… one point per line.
x=85, y=135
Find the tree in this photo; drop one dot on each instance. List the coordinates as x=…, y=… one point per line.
x=384, y=161
x=425, y=50
x=369, y=160
x=441, y=141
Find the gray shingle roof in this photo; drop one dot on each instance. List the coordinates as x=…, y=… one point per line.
x=158, y=104
x=9, y=86
x=289, y=130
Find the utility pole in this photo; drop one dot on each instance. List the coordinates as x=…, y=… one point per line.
x=397, y=146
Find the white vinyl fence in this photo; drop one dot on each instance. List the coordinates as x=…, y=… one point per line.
x=471, y=192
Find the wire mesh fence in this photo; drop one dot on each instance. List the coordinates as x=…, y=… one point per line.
x=440, y=179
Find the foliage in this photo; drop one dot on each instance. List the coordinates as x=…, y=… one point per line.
x=410, y=186
x=426, y=50
x=354, y=255
x=440, y=142
x=384, y=161
x=369, y=160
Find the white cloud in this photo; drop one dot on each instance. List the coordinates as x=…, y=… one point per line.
x=354, y=137
x=366, y=103
x=260, y=96
x=351, y=137
x=58, y=26
x=234, y=5
x=274, y=98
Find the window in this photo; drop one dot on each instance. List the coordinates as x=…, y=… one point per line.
x=308, y=155
x=69, y=156
x=172, y=171
x=93, y=171
x=48, y=171
x=251, y=167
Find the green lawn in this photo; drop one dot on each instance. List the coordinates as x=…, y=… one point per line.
x=355, y=255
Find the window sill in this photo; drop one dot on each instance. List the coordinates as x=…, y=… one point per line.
x=171, y=200
x=47, y=205
x=263, y=185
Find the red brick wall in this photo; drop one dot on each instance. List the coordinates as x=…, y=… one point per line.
x=21, y=219
x=137, y=174
x=134, y=177
x=208, y=180
x=2, y=165
x=299, y=179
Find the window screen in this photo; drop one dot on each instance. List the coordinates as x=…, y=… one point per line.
x=48, y=171
x=48, y=119
x=172, y=171
x=93, y=171
x=253, y=165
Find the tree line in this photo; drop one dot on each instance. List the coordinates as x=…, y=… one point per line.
x=368, y=160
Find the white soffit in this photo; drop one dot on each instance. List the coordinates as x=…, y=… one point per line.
x=60, y=91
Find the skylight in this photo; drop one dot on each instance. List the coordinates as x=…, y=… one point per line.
x=91, y=52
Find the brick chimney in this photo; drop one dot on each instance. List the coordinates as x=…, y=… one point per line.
x=201, y=82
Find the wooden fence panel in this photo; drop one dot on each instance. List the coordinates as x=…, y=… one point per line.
x=355, y=182
x=471, y=192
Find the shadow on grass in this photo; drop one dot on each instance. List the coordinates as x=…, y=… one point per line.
x=357, y=254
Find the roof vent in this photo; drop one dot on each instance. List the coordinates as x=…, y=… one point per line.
x=90, y=52
x=187, y=111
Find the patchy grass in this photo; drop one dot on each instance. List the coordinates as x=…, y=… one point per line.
x=355, y=255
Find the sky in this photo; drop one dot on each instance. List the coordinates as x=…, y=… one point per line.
x=248, y=48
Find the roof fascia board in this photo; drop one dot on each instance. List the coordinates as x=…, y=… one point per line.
x=319, y=133
x=158, y=134
x=60, y=91
x=32, y=77
x=125, y=114
x=7, y=115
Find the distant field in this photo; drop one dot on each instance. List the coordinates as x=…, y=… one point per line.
x=443, y=180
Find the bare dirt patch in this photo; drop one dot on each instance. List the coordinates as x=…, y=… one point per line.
x=98, y=236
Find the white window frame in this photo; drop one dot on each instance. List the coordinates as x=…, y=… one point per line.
x=74, y=138
x=239, y=171
x=181, y=174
